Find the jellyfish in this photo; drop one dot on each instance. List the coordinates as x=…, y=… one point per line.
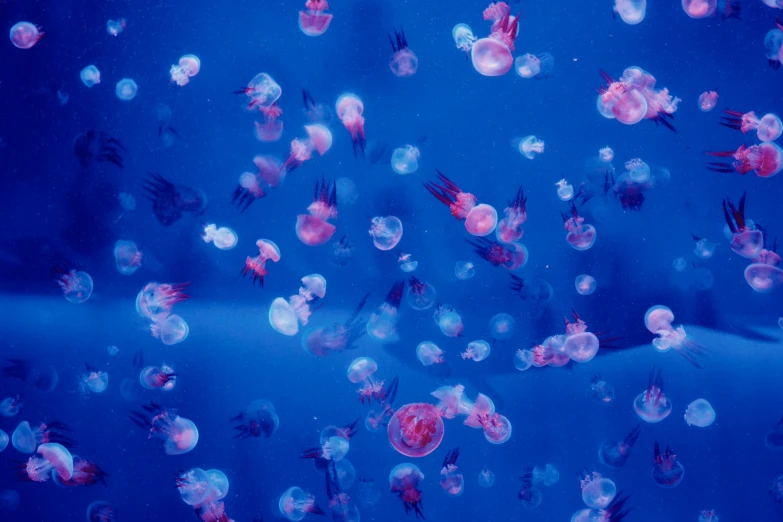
x=448, y=320
x=405, y=160
x=4, y=439
x=405, y=481
x=699, y=8
x=404, y=63
x=313, y=229
x=631, y=12
x=255, y=267
x=667, y=471
x=746, y=239
x=416, y=429
x=486, y=478
x=451, y=401
x=491, y=56
x=565, y=191
x=94, y=380
x=548, y=475
x=773, y=439
x=481, y=414
x=115, y=27
x=90, y=76
x=25, y=35
x=10, y=406
x=272, y=128
x=634, y=97
x=378, y=420
x=286, y=316
x=323, y=341
x=85, y=473
x=480, y=219
x=510, y=256
x=708, y=515
x=350, y=110
x=194, y=486
x=652, y=405
x=154, y=377
x=502, y=326
x=602, y=390
x=188, y=66
x=127, y=257
x=523, y=360
x=332, y=449
x=530, y=496
x=262, y=90
x=386, y=232
x=763, y=277
x=615, y=453
x=773, y=41
x=178, y=434
x=170, y=200
x=509, y=229
x=768, y=128
x=360, y=371
x=295, y=503
x=42, y=378
x=313, y=21
x=527, y=65
x=451, y=480
x=700, y=414
x=259, y=418
x=382, y=325
x=420, y=296
x=223, y=238
x=708, y=99
x=407, y=263
x=54, y=458
x=463, y=37
x=530, y=147
x=158, y=299
x=477, y=351
x=319, y=139
x=585, y=284
x=26, y=439
x=614, y=512
x=597, y=491
x=464, y=270
x=77, y=286
x=126, y=89
x=765, y=160
x=658, y=320
x=101, y=511
x=253, y=186
x=704, y=248
x=580, y=236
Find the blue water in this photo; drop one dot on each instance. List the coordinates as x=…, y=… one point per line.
x=56, y=211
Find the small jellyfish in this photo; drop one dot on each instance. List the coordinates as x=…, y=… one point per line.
x=477, y=351
x=178, y=434
x=101, y=511
x=486, y=478
x=530, y=496
x=342, y=251
x=360, y=371
x=652, y=405
x=667, y=471
x=464, y=270
x=126, y=89
x=25, y=439
x=491, y=56
x=76, y=285
x=223, y=238
x=405, y=160
x=416, y=430
x=768, y=128
x=115, y=27
x=386, y=232
x=154, y=377
x=481, y=414
x=382, y=325
x=602, y=390
x=708, y=100
x=510, y=256
x=262, y=90
x=606, y=154
x=127, y=257
x=313, y=21
x=763, y=277
x=704, y=248
x=765, y=160
x=585, y=284
x=127, y=201
x=404, y=63
x=428, y=353
x=407, y=263
x=313, y=228
x=25, y=35
x=527, y=65
x=94, y=380
x=700, y=414
x=631, y=12
x=615, y=453
x=502, y=326
x=658, y=320
x=255, y=267
x=463, y=37
x=350, y=110
x=193, y=486
x=509, y=229
x=523, y=360
x=699, y=8
x=90, y=76
x=746, y=239
x=405, y=481
x=272, y=127
x=295, y=504
x=451, y=480
x=188, y=66
x=420, y=295
x=597, y=491
x=565, y=191
x=171, y=329
x=579, y=235
x=530, y=147
x=448, y=320
x=10, y=406
x=548, y=475
x=259, y=418
x=679, y=264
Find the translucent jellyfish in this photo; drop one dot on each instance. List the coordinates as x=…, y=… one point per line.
x=679, y=264
x=768, y=128
x=76, y=285
x=367, y=494
x=346, y=191
x=602, y=390
x=178, y=434
x=193, y=486
x=530, y=147
x=614, y=512
x=342, y=252
x=700, y=414
x=581, y=347
x=319, y=139
x=708, y=515
x=420, y=295
x=762, y=277
x=773, y=41
x=345, y=473
x=615, y=453
x=94, y=380
x=463, y=37
x=188, y=66
x=565, y=191
x=704, y=248
x=708, y=99
x=115, y=27
x=448, y=320
x=631, y=12
x=126, y=89
x=332, y=449
x=597, y=491
x=548, y=475
x=746, y=239
x=405, y=159
x=360, y=371
x=699, y=8
x=313, y=21
x=223, y=238
x=486, y=478
x=407, y=263
x=171, y=329
x=90, y=76
x=127, y=257
x=350, y=109
x=85, y=473
x=502, y=326
x=255, y=267
x=464, y=270
x=658, y=320
x=259, y=418
x=481, y=414
x=765, y=160
x=579, y=235
x=272, y=127
x=313, y=229
x=510, y=256
x=25, y=35
x=10, y=406
x=638, y=170
x=153, y=377
x=606, y=154
x=509, y=229
x=451, y=480
x=405, y=481
x=262, y=90
x=416, y=430
x=491, y=56
x=523, y=360
x=382, y=325
x=477, y=351
x=404, y=62
x=530, y=496
x=652, y=405
x=386, y=232
x=101, y=511
x=585, y=284
x=667, y=470
x=295, y=504
x=527, y=65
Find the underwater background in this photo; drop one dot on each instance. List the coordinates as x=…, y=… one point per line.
x=57, y=211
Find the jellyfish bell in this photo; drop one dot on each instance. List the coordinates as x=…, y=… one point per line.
x=416, y=430
x=313, y=21
x=581, y=347
x=700, y=414
x=763, y=278
x=386, y=232
x=59, y=458
x=193, y=486
x=182, y=437
x=405, y=160
x=481, y=220
x=282, y=317
x=491, y=57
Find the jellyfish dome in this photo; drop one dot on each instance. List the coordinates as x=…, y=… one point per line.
x=502, y=326
x=481, y=220
x=282, y=317
x=581, y=347
x=182, y=437
x=700, y=414
x=491, y=57
x=428, y=353
x=386, y=232
x=598, y=491
x=193, y=486
x=585, y=284
x=59, y=458
x=405, y=160
x=416, y=430
x=763, y=278
x=658, y=318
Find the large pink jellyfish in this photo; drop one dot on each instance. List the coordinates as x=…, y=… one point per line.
x=509, y=228
x=319, y=139
x=255, y=267
x=491, y=56
x=313, y=21
x=580, y=236
x=405, y=481
x=667, y=472
x=416, y=429
x=658, y=320
x=178, y=434
x=652, y=405
x=404, y=63
x=768, y=127
x=382, y=325
x=253, y=185
x=510, y=256
x=634, y=97
x=350, y=110
x=765, y=160
x=313, y=229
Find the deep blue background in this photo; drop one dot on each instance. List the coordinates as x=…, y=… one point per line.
x=469, y=121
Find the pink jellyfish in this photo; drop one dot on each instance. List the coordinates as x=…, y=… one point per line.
x=491, y=56
x=509, y=228
x=271, y=129
x=764, y=274
x=361, y=371
x=350, y=110
x=188, y=66
x=658, y=320
x=405, y=481
x=746, y=240
x=634, y=97
x=699, y=8
x=510, y=256
x=481, y=414
x=580, y=236
x=25, y=35
x=597, y=490
x=420, y=295
x=262, y=90
x=768, y=127
x=404, y=63
x=382, y=325
x=765, y=160
x=319, y=139
x=668, y=472
x=480, y=219
x=255, y=267
x=451, y=400
x=313, y=229
x=178, y=434
x=313, y=21
x=451, y=480
x=154, y=378
x=253, y=185
x=448, y=320
x=708, y=100
x=54, y=459
x=76, y=285
x=416, y=430
x=652, y=405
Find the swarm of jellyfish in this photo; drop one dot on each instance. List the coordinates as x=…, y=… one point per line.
x=634, y=98
x=286, y=316
x=658, y=320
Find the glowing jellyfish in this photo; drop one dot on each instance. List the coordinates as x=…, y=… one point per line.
x=652, y=405
x=463, y=37
x=361, y=371
x=90, y=76
x=481, y=220
x=464, y=270
x=523, y=360
x=115, y=27
x=448, y=320
x=420, y=295
x=54, y=458
x=501, y=326
x=193, y=486
x=295, y=504
x=178, y=434
x=486, y=478
x=477, y=351
x=416, y=429
x=101, y=511
x=597, y=491
x=565, y=191
x=255, y=267
x=530, y=147
x=407, y=263
x=667, y=471
x=527, y=65
x=530, y=496
x=762, y=277
x=405, y=481
x=579, y=235
x=386, y=232
x=313, y=21
x=704, y=248
x=404, y=62
x=451, y=480
x=428, y=353
x=126, y=89
x=708, y=100
x=76, y=286
x=699, y=8
x=171, y=330
x=188, y=66
x=631, y=12
x=638, y=170
x=581, y=347
x=700, y=414
x=223, y=238
x=263, y=92
x=25, y=35
x=405, y=159
x=127, y=257
x=95, y=380
x=585, y=284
